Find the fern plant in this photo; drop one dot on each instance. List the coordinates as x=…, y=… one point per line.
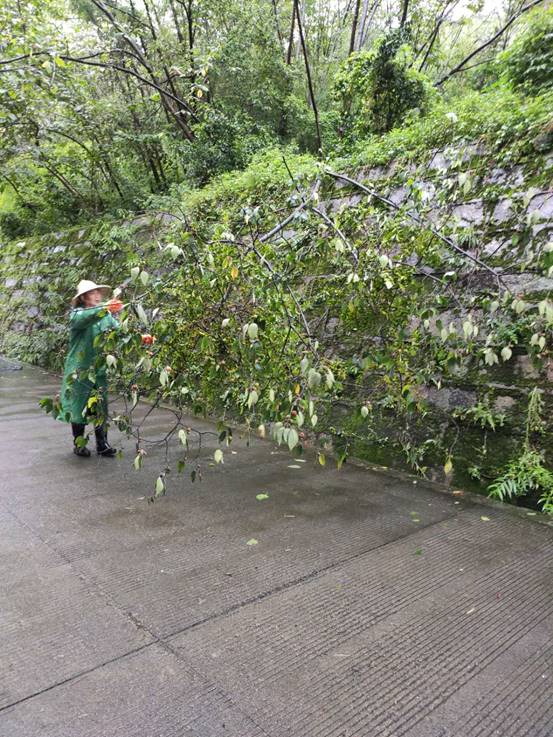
x=524, y=474
x=527, y=472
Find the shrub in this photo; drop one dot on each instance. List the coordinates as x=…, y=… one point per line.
x=377, y=88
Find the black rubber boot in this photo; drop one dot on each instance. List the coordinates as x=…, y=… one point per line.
x=78, y=432
x=103, y=448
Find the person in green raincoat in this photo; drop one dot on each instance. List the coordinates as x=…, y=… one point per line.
x=91, y=315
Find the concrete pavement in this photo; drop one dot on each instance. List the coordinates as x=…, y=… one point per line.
x=371, y=606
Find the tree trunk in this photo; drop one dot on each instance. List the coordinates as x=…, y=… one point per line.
x=354, y=26
x=308, y=72
x=291, y=37
x=404, y=13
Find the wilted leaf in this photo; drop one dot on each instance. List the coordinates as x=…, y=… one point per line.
x=141, y=314
x=293, y=438
x=313, y=378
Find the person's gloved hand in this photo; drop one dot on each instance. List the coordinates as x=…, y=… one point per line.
x=114, y=306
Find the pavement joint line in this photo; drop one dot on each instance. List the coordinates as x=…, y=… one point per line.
x=497, y=630
x=298, y=581
x=91, y=586
x=163, y=642
x=75, y=676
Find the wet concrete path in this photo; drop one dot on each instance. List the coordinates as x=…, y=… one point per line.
x=371, y=606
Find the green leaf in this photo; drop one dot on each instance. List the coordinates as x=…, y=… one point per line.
x=364, y=411
x=253, y=331
x=506, y=353
x=163, y=377
x=252, y=398
x=138, y=462
x=322, y=459
x=252, y=541
x=448, y=466
x=135, y=271
x=144, y=277
x=218, y=456
x=183, y=437
x=111, y=361
x=261, y=497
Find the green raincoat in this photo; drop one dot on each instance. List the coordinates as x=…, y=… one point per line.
x=80, y=376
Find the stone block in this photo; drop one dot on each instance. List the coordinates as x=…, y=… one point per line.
x=504, y=403
x=469, y=213
x=527, y=284
x=525, y=369
x=503, y=211
x=439, y=161
x=399, y=195
x=341, y=203
x=541, y=205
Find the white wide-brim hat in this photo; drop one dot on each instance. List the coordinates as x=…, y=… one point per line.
x=85, y=285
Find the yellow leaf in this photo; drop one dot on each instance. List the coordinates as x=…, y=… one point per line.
x=234, y=272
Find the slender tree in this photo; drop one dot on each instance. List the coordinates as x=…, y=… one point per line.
x=354, y=26
x=309, y=79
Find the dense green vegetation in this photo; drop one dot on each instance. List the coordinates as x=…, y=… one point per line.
x=331, y=325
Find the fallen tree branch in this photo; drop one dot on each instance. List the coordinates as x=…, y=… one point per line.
x=420, y=221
